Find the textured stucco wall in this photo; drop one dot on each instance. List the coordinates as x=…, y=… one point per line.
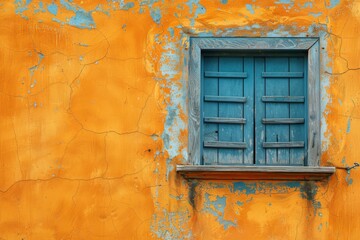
x=93, y=120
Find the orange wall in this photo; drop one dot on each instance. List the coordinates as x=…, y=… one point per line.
x=94, y=120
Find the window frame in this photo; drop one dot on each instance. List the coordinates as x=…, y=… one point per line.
x=199, y=44
x=311, y=45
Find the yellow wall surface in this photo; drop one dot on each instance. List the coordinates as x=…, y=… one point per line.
x=93, y=120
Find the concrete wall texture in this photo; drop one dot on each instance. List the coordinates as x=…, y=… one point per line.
x=93, y=106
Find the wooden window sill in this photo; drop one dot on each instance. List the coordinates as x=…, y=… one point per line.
x=226, y=172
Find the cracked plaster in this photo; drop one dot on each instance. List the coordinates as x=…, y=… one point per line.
x=93, y=120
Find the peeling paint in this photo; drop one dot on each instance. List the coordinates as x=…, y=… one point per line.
x=348, y=178
x=53, y=8
x=333, y=3
x=156, y=15
x=348, y=128
x=127, y=6
x=315, y=14
x=82, y=19
x=199, y=9
x=308, y=191
x=250, y=8
x=21, y=7
x=216, y=208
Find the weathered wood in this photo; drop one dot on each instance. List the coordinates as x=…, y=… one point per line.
x=283, y=120
x=311, y=45
x=254, y=172
x=276, y=131
x=298, y=132
x=209, y=98
x=194, y=102
x=228, y=53
x=254, y=43
x=283, y=144
x=226, y=74
x=224, y=120
x=283, y=99
x=231, y=145
x=282, y=74
x=259, y=112
x=249, y=111
x=314, y=112
x=210, y=109
x=231, y=132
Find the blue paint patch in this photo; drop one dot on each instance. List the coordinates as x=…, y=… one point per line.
x=264, y=187
x=35, y=67
x=293, y=184
x=164, y=227
x=99, y=8
x=200, y=9
x=169, y=168
x=333, y=3
x=82, y=19
x=308, y=5
x=57, y=21
x=224, y=1
x=171, y=31
x=348, y=178
x=217, y=209
x=174, y=124
x=248, y=188
x=127, y=6
x=284, y=2
x=40, y=8
x=315, y=14
x=53, y=8
x=250, y=8
x=155, y=14
x=308, y=191
x=348, y=128
x=21, y=7
x=240, y=203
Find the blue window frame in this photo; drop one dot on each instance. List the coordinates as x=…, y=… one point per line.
x=254, y=101
x=253, y=108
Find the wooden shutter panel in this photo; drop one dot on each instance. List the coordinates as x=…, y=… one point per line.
x=227, y=110
x=280, y=124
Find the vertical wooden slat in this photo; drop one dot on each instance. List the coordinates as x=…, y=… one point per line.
x=249, y=110
x=259, y=110
x=277, y=87
x=194, y=102
x=314, y=140
x=210, y=109
x=231, y=87
x=297, y=110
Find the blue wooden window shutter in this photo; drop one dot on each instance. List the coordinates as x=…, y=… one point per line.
x=254, y=101
x=253, y=109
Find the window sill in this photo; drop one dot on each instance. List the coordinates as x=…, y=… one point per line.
x=216, y=172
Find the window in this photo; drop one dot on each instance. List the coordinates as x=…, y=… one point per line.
x=254, y=105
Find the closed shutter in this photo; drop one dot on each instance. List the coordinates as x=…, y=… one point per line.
x=280, y=124
x=227, y=110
